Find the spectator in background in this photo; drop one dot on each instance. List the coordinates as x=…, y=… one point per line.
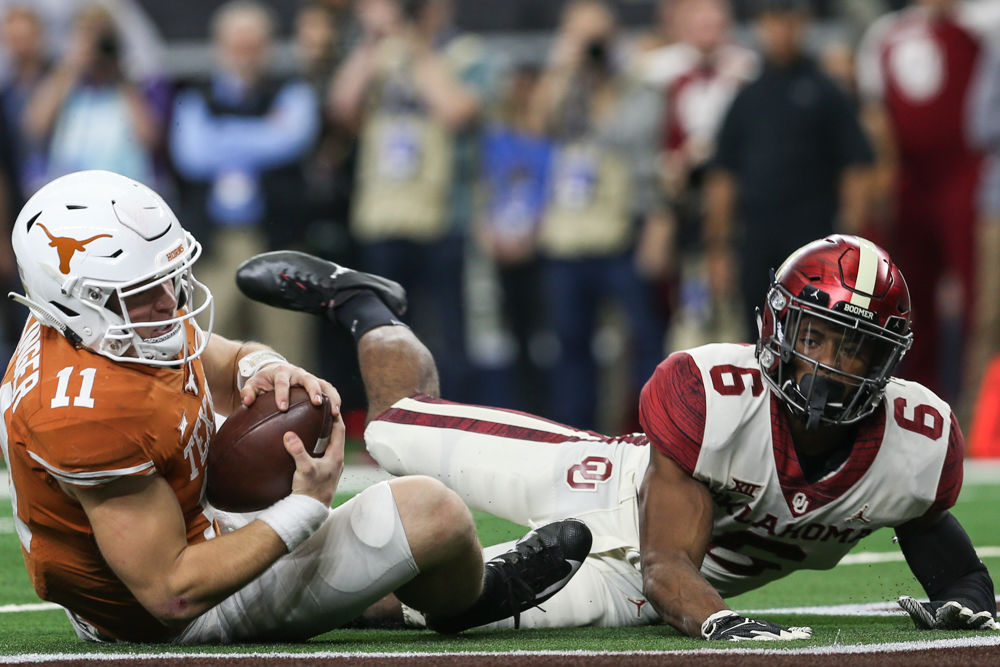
x=699, y=34
x=141, y=44
x=837, y=60
x=91, y=114
x=23, y=39
x=239, y=141
x=791, y=162
x=605, y=229
x=661, y=33
x=414, y=91
x=704, y=69
x=516, y=163
x=983, y=344
x=319, y=32
x=915, y=69
x=317, y=41
x=21, y=162
x=11, y=314
x=711, y=69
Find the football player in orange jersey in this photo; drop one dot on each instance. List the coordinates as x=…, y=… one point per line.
x=109, y=406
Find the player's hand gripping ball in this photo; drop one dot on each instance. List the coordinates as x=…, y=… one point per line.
x=248, y=466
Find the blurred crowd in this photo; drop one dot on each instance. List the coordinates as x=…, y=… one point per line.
x=561, y=220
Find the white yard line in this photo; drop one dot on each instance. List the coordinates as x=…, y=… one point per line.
x=986, y=639
x=864, y=609
x=34, y=606
x=868, y=557
x=982, y=471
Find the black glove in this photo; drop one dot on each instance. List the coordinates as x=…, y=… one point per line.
x=727, y=624
x=946, y=615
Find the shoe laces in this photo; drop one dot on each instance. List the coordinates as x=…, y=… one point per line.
x=515, y=574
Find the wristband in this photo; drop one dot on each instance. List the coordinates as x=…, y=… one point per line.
x=294, y=518
x=248, y=365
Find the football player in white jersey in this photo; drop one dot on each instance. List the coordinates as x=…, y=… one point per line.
x=755, y=461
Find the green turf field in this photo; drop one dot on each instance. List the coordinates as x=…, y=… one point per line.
x=48, y=631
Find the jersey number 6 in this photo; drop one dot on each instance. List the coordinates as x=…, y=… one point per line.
x=919, y=423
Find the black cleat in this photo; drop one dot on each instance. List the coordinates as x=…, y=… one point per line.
x=298, y=281
x=539, y=565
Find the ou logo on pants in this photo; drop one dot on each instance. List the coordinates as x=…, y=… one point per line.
x=586, y=474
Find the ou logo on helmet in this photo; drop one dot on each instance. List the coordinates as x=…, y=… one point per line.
x=587, y=474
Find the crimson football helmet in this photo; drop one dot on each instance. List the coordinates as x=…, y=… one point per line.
x=835, y=324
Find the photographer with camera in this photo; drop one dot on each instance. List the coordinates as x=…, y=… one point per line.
x=413, y=91
x=93, y=116
x=605, y=234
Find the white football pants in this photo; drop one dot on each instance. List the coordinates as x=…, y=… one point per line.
x=358, y=556
x=533, y=471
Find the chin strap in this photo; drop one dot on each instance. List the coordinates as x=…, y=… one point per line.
x=45, y=316
x=819, y=391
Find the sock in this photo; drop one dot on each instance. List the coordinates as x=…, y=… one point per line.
x=361, y=312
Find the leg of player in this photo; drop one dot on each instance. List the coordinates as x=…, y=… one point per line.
x=442, y=537
x=516, y=466
x=606, y=592
x=532, y=471
x=395, y=364
x=505, y=465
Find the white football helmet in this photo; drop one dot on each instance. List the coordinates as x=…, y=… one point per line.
x=88, y=241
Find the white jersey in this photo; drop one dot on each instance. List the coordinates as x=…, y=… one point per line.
x=710, y=411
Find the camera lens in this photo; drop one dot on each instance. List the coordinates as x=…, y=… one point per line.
x=597, y=52
x=107, y=45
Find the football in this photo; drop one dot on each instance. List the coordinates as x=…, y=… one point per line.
x=248, y=467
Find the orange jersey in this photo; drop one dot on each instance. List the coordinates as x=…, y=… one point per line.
x=79, y=418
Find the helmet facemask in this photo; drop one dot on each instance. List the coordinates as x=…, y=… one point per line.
x=127, y=340
x=830, y=368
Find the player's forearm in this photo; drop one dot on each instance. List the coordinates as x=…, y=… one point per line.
x=141, y=533
x=204, y=574
x=945, y=563
x=675, y=525
x=681, y=596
